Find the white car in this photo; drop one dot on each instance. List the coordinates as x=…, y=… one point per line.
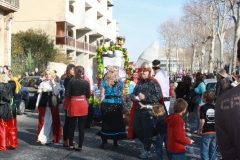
x=210, y=84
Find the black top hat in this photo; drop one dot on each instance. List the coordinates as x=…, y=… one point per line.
x=156, y=64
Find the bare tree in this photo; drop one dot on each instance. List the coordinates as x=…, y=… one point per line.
x=235, y=13
x=222, y=11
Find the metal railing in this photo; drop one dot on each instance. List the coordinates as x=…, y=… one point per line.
x=86, y=47
x=92, y=48
x=12, y=2
x=66, y=40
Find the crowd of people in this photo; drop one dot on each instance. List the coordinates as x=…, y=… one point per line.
x=216, y=113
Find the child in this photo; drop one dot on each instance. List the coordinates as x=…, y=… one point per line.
x=176, y=131
x=160, y=126
x=207, y=127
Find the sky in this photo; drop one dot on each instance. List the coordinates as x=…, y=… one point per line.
x=139, y=21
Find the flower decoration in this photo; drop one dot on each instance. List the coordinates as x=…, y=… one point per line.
x=112, y=47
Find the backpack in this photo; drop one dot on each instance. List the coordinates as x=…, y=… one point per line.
x=5, y=93
x=8, y=109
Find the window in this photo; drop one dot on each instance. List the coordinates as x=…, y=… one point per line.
x=71, y=8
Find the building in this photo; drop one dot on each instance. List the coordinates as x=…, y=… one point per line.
x=7, y=8
x=77, y=26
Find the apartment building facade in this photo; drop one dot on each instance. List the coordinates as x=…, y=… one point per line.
x=77, y=26
x=7, y=9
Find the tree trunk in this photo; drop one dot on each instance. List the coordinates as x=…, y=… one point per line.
x=221, y=38
x=211, y=55
x=236, y=38
x=193, y=55
x=203, y=51
x=177, y=58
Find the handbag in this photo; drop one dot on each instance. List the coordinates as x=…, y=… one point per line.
x=193, y=97
x=54, y=100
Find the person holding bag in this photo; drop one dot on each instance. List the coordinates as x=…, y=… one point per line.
x=199, y=88
x=78, y=91
x=49, y=128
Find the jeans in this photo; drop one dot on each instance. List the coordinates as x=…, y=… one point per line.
x=159, y=150
x=195, y=111
x=143, y=126
x=178, y=156
x=208, y=147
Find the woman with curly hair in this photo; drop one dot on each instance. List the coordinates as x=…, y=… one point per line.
x=111, y=107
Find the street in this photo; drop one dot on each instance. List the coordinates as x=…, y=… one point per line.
x=28, y=149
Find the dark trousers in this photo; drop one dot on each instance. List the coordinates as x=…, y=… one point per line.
x=66, y=127
x=72, y=126
x=143, y=127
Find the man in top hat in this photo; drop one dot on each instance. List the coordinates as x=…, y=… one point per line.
x=221, y=74
x=163, y=80
x=227, y=120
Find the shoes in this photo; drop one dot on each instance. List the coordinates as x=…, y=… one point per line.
x=65, y=143
x=103, y=145
x=78, y=149
x=71, y=148
x=145, y=155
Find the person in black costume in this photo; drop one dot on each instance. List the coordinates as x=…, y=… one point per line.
x=70, y=74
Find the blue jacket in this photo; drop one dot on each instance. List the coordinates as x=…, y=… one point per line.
x=199, y=90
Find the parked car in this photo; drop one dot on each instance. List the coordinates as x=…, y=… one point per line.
x=31, y=83
x=21, y=100
x=210, y=84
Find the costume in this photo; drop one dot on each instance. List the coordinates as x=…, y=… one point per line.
x=111, y=109
x=77, y=90
x=163, y=80
x=8, y=121
x=176, y=134
x=49, y=128
x=141, y=119
x=227, y=123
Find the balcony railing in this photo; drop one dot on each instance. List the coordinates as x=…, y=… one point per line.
x=86, y=47
x=12, y=2
x=92, y=48
x=65, y=40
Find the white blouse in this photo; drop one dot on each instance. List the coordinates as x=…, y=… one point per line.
x=46, y=86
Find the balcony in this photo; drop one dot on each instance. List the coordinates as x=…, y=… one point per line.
x=72, y=1
x=70, y=18
x=11, y=5
x=85, y=47
x=99, y=29
x=66, y=40
x=86, y=24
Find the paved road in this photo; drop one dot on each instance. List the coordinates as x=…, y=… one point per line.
x=29, y=150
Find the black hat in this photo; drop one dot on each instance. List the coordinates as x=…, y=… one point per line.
x=156, y=64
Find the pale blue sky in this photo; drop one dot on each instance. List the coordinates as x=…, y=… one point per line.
x=139, y=21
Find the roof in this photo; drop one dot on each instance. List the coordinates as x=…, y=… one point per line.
x=206, y=81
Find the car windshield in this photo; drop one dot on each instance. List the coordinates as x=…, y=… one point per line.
x=30, y=82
